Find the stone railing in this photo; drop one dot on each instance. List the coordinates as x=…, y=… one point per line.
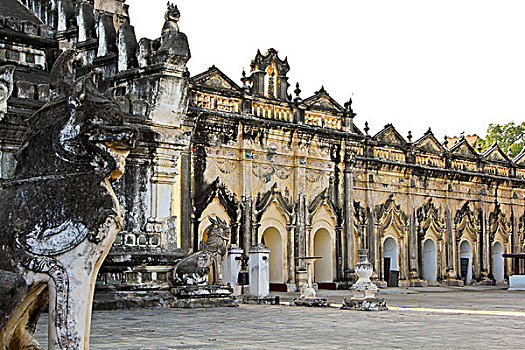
x=389, y=154
x=214, y=102
x=464, y=165
x=430, y=160
x=322, y=120
x=496, y=170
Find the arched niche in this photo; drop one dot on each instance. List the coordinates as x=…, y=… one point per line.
x=322, y=243
x=272, y=239
x=272, y=232
x=498, y=263
x=390, y=259
x=323, y=246
x=430, y=261
x=465, y=261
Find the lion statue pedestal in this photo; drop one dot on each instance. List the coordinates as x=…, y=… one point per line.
x=190, y=278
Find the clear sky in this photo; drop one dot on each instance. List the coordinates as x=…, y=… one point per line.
x=454, y=65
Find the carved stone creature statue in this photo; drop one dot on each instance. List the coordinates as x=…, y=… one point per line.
x=6, y=87
x=172, y=16
x=174, y=48
x=194, y=269
x=59, y=215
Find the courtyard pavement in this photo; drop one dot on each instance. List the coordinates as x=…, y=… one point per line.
x=419, y=318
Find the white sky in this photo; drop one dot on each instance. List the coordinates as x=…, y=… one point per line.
x=454, y=65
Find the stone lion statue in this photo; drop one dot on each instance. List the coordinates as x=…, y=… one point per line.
x=59, y=215
x=194, y=269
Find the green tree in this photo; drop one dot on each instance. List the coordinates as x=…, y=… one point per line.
x=510, y=137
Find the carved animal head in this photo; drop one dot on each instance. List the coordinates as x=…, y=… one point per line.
x=172, y=13
x=80, y=130
x=220, y=229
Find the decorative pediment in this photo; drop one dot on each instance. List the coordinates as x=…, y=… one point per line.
x=428, y=215
x=466, y=218
x=498, y=221
x=320, y=200
x=322, y=100
x=464, y=149
x=215, y=78
x=390, y=136
x=264, y=201
x=520, y=158
x=390, y=213
x=226, y=198
x=495, y=154
x=429, y=143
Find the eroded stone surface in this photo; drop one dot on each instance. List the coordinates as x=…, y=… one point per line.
x=60, y=215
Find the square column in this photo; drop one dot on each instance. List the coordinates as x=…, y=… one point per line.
x=259, y=265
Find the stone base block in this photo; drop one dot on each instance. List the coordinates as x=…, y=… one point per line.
x=260, y=301
x=202, y=297
x=517, y=282
x=291, y=287
x=413, y=283
x=310, y=302
x=486, y=282
x=380, y=284
x=122, y=300
x=453, y=283
x=368, y=304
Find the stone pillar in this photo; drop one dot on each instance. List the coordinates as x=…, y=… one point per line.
x=291, y=257
x=348, y=213
x=246, y=174
x=259, y=265
x=185, y=195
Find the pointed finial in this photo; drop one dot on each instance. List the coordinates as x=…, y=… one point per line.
x=297, y=91
x=446, y=142
x=366, y=129
x=480, y=147
x=409, y=136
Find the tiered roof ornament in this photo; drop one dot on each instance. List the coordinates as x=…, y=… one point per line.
x=268, y=75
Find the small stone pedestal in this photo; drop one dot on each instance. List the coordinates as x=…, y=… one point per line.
x=232, y=267
x=202, y=296
x=308, y=293
x=364, y=291
x=259, y=267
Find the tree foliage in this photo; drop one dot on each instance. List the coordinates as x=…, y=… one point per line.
x=510, y=137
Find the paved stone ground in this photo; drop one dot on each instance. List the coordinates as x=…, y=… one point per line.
x=498, y=324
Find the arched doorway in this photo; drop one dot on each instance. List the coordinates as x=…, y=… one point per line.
x=390, y=262
x=497, y=263
x=272, y=239
x=323, y=268
x=465, y=259
x=430, y=262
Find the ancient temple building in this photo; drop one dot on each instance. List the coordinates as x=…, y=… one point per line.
x=300, y=174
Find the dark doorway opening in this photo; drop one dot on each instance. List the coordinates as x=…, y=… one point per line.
x=464, y=262
x=386, y=270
